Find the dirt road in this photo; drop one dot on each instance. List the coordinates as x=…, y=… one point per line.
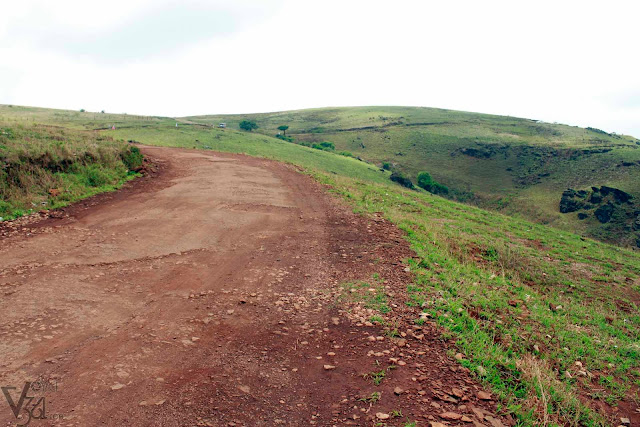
x=209, y=294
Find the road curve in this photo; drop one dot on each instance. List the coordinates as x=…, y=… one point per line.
x=209, y=295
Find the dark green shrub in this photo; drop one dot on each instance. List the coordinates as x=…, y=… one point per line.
x=386, y=166
x=284, y=138
x=401, y=179
x=346, y=153
x=96, y=176
x=325, y=146
x=426, y=182
x=132, y=158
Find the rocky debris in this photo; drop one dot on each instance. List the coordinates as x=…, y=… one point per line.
x=483, y=395
x=382, y=416
x=450, y=416
x=329, y=367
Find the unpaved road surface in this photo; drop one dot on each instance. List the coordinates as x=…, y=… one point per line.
x=209, y=294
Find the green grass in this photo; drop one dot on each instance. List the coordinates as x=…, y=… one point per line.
x=228, y=140
x=490, y=279
x=376, y=377
x=42, y=167
x=493, y=282
x=371, y=295
x=516, y=166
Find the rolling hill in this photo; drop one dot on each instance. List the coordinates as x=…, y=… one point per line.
x=516, y=166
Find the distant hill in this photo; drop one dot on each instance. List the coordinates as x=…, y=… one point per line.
x=517, y=166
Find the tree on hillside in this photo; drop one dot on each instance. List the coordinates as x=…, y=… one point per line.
x=248, y=125
x=424, y=180
x=283, y=128
x=428, y=183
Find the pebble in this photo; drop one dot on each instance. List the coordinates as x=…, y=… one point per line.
x=450, y=416
x=117, y=386
x=483, y=395
x=382, y=416
x=329, y=367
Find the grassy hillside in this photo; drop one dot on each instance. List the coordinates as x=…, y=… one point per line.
x=547, y=319
x=524, y=301
x=44, y=167
x=516, y=166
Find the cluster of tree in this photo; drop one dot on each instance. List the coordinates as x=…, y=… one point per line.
x=428, y=183
x=248, y=125
x=425, y=181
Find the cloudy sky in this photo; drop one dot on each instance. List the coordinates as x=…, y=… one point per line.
x=574, y=62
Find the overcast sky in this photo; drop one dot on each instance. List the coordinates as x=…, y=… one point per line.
x=575, y=62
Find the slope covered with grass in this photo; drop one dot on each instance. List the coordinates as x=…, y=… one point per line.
x=516, y=166
x=43, y=167
x=547, y=319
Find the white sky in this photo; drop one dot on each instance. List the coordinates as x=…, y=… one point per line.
x=575, y=62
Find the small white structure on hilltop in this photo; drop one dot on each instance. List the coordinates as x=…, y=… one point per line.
x=222, y=125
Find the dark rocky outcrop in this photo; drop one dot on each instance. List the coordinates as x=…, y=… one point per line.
x=615, y=210
x=595, y=198
x=604, y=213
x=572, y=200
x=619, y=195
